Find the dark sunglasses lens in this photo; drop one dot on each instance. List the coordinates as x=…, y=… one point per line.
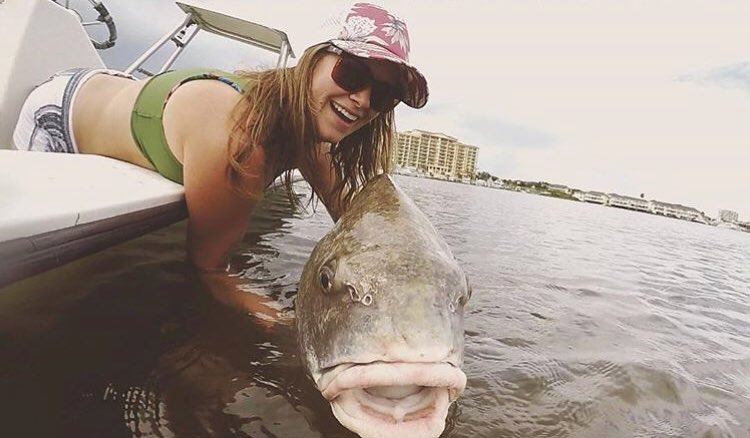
x=350, y=74
x=353, y=75
x=382, y=97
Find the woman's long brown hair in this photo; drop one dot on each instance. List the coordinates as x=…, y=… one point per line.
x=276, y=114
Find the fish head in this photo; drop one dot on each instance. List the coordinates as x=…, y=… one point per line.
x=380, y=312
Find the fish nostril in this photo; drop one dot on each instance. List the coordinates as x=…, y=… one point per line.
x=367, y=300
x=353, y=294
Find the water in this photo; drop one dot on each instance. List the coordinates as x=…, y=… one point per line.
x=586, y=321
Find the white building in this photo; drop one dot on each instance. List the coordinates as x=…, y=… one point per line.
x=729, y=216
x=595, y=197
x=435, y=154
x=630, y=203
x=559, y=188
x=677, y=211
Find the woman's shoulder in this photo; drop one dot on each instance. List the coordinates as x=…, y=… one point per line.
x=202, y=108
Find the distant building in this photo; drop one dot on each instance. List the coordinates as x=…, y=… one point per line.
x=595, y=197
x=677, y=211
x=628, y=202
x=729, y=216
x=437, y=155
x=560, y=188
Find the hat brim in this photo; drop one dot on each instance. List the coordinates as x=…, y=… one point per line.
x=413, y=84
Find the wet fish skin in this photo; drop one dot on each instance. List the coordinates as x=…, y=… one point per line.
x=380, y=311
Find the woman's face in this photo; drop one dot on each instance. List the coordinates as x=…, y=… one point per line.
x=341, y=112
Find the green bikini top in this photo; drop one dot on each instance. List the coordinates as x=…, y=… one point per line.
x=146, y=119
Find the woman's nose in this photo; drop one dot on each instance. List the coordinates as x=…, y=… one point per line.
x=362, y=97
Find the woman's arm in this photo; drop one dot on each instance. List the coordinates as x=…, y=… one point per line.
x=322, y=177
x=217, y=215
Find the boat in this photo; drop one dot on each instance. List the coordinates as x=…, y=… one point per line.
x=56, y=208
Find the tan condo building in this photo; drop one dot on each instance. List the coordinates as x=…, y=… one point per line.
x=434, y=154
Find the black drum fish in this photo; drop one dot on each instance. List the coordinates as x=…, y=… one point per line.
x=380, y=311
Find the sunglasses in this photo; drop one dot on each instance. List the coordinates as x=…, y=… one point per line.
x=353, y=75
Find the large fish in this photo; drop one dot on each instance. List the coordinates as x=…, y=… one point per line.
x=380, y=317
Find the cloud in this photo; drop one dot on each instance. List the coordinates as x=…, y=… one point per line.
x=730, y=76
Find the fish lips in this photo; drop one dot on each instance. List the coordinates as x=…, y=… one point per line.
x=387, y=399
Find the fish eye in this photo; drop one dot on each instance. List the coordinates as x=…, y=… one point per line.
x=326, y=278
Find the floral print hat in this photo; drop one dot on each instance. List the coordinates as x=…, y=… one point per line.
x=370, y=31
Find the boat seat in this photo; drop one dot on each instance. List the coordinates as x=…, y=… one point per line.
x=39, y=39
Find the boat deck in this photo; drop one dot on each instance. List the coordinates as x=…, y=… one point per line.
x=55, y=208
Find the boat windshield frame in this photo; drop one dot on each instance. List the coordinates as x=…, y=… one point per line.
x=213, y=17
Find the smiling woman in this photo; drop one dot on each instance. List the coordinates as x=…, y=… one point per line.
x=226, y=137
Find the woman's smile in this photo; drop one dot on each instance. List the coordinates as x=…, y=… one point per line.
x=337, y=121
x=342, y=112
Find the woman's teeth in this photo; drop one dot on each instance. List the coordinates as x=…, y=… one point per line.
x=343, y=113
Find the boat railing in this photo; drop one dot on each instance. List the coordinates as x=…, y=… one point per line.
x=104, y=18
x=207, y=16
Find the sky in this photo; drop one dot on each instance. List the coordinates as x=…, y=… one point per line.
x=628, y=97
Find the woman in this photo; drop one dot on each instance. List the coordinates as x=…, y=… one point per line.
x=227, y=137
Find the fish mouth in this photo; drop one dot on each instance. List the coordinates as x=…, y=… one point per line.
x=389, y=399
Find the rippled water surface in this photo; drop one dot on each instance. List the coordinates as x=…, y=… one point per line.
x=585, y=321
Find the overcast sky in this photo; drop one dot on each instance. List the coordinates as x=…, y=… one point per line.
x=638, y=96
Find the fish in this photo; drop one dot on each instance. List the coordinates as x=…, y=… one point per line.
x=380, y=317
